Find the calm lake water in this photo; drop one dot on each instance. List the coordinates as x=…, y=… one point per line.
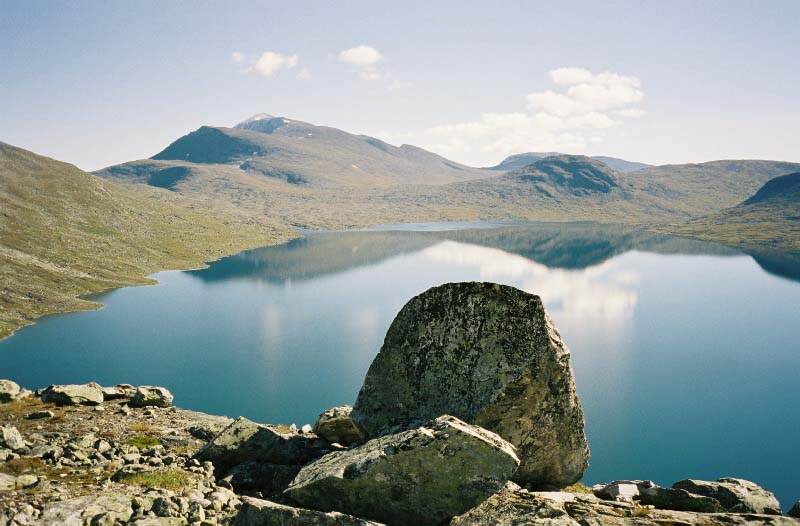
x=686, y=355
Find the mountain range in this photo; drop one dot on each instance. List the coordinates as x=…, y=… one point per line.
x=217, y=190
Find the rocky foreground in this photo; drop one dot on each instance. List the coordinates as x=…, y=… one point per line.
x=87, y=455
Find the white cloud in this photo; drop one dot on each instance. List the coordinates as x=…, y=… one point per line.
x=370, y=74
x=268, y=63
x=569, y=119
x=570, y=75
x=360, y=56
x=304, y=74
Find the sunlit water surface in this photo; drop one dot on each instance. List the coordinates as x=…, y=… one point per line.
x=686, y=355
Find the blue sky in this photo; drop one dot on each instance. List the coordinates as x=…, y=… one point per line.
x=98, y=83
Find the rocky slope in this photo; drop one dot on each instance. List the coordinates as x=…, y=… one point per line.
x=86, y=455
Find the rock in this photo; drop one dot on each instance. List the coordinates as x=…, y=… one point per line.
x=8, y=391
x=678, y=500
x=269, y=479
x=336, y=426
x=244, y=441
x=160, y=521
x=421, y=476
x=7, y=482
x=735, y=495
x=619, y=490
x=84, y=394
x=36, y=415
x=11, y=439
x=79, y=511
x=118, y=392
x=151, y=396
x=27, y=481
x=516, y=507
x=490, y=355
x=257, y=512
x=795, y=511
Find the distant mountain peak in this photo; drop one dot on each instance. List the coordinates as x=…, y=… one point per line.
x=255, y=118
x=574, y=174
x=513, y=162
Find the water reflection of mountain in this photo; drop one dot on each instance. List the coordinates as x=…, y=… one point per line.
x=569, y=246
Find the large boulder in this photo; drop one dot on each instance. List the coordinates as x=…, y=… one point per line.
x=8, y=391
x=247, y=441
x=257, y=512
x=151, y=396
x=336, y=426
x=735, y=495
x=268, y=479
x=74, y=394
x=422, y=476
x=488, y=354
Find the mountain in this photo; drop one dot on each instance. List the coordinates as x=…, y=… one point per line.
x=300, y=153
x=65, y=233
x=768, y=220
x=785, y=188
x=701, y=188
x=571, y=174
x=521, y=160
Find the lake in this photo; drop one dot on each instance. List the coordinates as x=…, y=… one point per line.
x=686, y=354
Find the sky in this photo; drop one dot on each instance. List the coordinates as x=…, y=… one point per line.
x=100, y=83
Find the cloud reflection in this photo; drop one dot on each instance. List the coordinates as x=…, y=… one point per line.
x=604, y=291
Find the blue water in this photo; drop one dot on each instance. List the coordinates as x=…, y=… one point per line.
x=686, y=355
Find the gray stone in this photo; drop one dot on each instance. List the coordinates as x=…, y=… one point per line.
x=244, y=441
x=422, y=476
x=257, y=512
x=27, y=481
x=795, y=511
x=118, y=392
x=160, y=521
x=84, y=394
x=735, y=495
x=620, y=490
x=151, y=396
x=8, y=391
x=7, y=482
x=269, y=479
x=515, y=507
x=11, y=438
x=80, y=510
x=678, y=499
x=37, y=415
x=490, y=355
x=336, y=426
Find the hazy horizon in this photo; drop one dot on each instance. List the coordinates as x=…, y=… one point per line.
x=99, y=84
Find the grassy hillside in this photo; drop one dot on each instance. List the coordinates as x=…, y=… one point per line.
x=769, y=220
x=521, y=160
x=66, y=233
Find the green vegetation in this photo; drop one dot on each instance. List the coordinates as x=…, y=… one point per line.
x=65, y=233
x=143, y=441
x=171, y=479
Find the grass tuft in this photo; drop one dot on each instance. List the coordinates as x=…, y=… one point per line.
x=143, y=442
x=165, y=479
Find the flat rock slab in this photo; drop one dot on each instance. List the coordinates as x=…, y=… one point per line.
x=79, y=511
x=490, y=355
x=83, y=394
x=516, y=507
x=422, y=476
x=11, y=438
x=247, y=441
x=735, y=495
x=257, y=512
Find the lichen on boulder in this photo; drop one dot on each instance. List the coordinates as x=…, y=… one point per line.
x=490, y=355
